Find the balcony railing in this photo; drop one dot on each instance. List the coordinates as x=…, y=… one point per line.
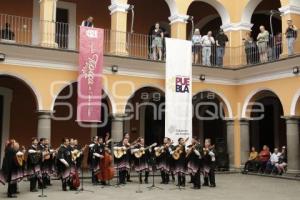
x=59, y=35
x=16, y=29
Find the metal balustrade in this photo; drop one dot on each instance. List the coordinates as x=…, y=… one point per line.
x=18, y=30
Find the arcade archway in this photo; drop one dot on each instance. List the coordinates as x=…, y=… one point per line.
x=267, y=127
x=64, y=122
x=18, y=111
x=146, y=115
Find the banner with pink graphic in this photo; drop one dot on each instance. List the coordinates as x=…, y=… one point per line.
x=90, y=74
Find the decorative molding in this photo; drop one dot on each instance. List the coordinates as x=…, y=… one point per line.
x=118, y=7
x=237, y=26
x=290, y=9
x=178, y=18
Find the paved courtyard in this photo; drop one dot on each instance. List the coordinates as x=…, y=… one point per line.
x=229, y=187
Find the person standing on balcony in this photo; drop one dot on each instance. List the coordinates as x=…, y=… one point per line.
x=7, y=33
x=291, y=36
x=221, y=40
x=88, y=22
x=207, y=41
x=262, y=43
x=196, y=40
x=157, y=42
x=250, y=48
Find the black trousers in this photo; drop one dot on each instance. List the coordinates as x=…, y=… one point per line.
x=146, y=176
x=11, y=188
x=122, y=176
x=33, y=182
x=165, y=177
x=196, y=180
x=211, y=176
x=181, y=179
x=64, y=183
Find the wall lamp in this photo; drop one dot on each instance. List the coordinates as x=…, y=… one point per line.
x=202, y=77
x=296, y=70
x=114, y=68
x=2, y=57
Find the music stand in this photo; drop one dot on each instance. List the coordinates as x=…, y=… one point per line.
x=42, y=182
x=152, y=187
x=82, y=188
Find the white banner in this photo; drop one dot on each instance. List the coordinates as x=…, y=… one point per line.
x=179, y=113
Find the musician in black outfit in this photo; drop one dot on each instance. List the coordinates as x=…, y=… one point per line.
x=194, y=160
x=163, y=160
x=48, y=163
x=209, y=164
x=41, y=147
x=96, y=150
x=34, y=162
x=142, y=164
x=64, y=161
x=122, y=163
x=180, y=163
x=11, y=168
x=131, y=157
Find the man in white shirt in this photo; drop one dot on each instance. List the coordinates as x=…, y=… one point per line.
x=207, y=41
x=273, y=160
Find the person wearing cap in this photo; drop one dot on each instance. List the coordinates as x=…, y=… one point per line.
x=221, y=40
x=196, y=40
x=291, y=36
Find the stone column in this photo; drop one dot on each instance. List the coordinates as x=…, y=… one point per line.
x=178, y=26
x=230, y=142
x=118, y=35
x=289, y=12
x=47, y=23
x=293, y=145
x=235, y=52
x=245, y=142
x=117, y=127
x=44, y=124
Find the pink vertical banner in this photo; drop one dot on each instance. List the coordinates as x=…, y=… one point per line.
x=90, y=74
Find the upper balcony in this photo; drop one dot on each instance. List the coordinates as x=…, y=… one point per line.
x=18, y=30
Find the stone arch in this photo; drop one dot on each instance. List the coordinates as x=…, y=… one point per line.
x=295, y=103
x=33, y=89
x=227, y=109
x=252, y=96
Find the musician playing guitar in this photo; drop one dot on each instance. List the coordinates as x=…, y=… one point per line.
x=122, y=154
x=34, y=162
x=179, y=155
x=209, y=160
x=141, y=161
x=163, y=159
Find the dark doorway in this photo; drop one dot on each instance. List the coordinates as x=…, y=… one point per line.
x=270, y=130
x=154, y=124
x=62, y=27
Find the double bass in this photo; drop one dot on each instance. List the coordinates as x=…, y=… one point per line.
x=107, y=171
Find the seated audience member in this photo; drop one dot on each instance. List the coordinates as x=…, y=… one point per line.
x=273, y=160
x=252, y=161
x=264, y=157
x=282, y=162
x=7, y=33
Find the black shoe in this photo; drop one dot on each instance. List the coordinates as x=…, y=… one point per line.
x=196, y=187
x=129, y=181
x=212, y=185
x=34, y=190
x=146, y=181
x=205, y=184
x=11, y=196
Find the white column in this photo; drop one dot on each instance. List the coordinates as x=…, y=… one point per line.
x=293, y=145
x=245, y=142
x=230, y=142
x=117, y=127
x=44, y=124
